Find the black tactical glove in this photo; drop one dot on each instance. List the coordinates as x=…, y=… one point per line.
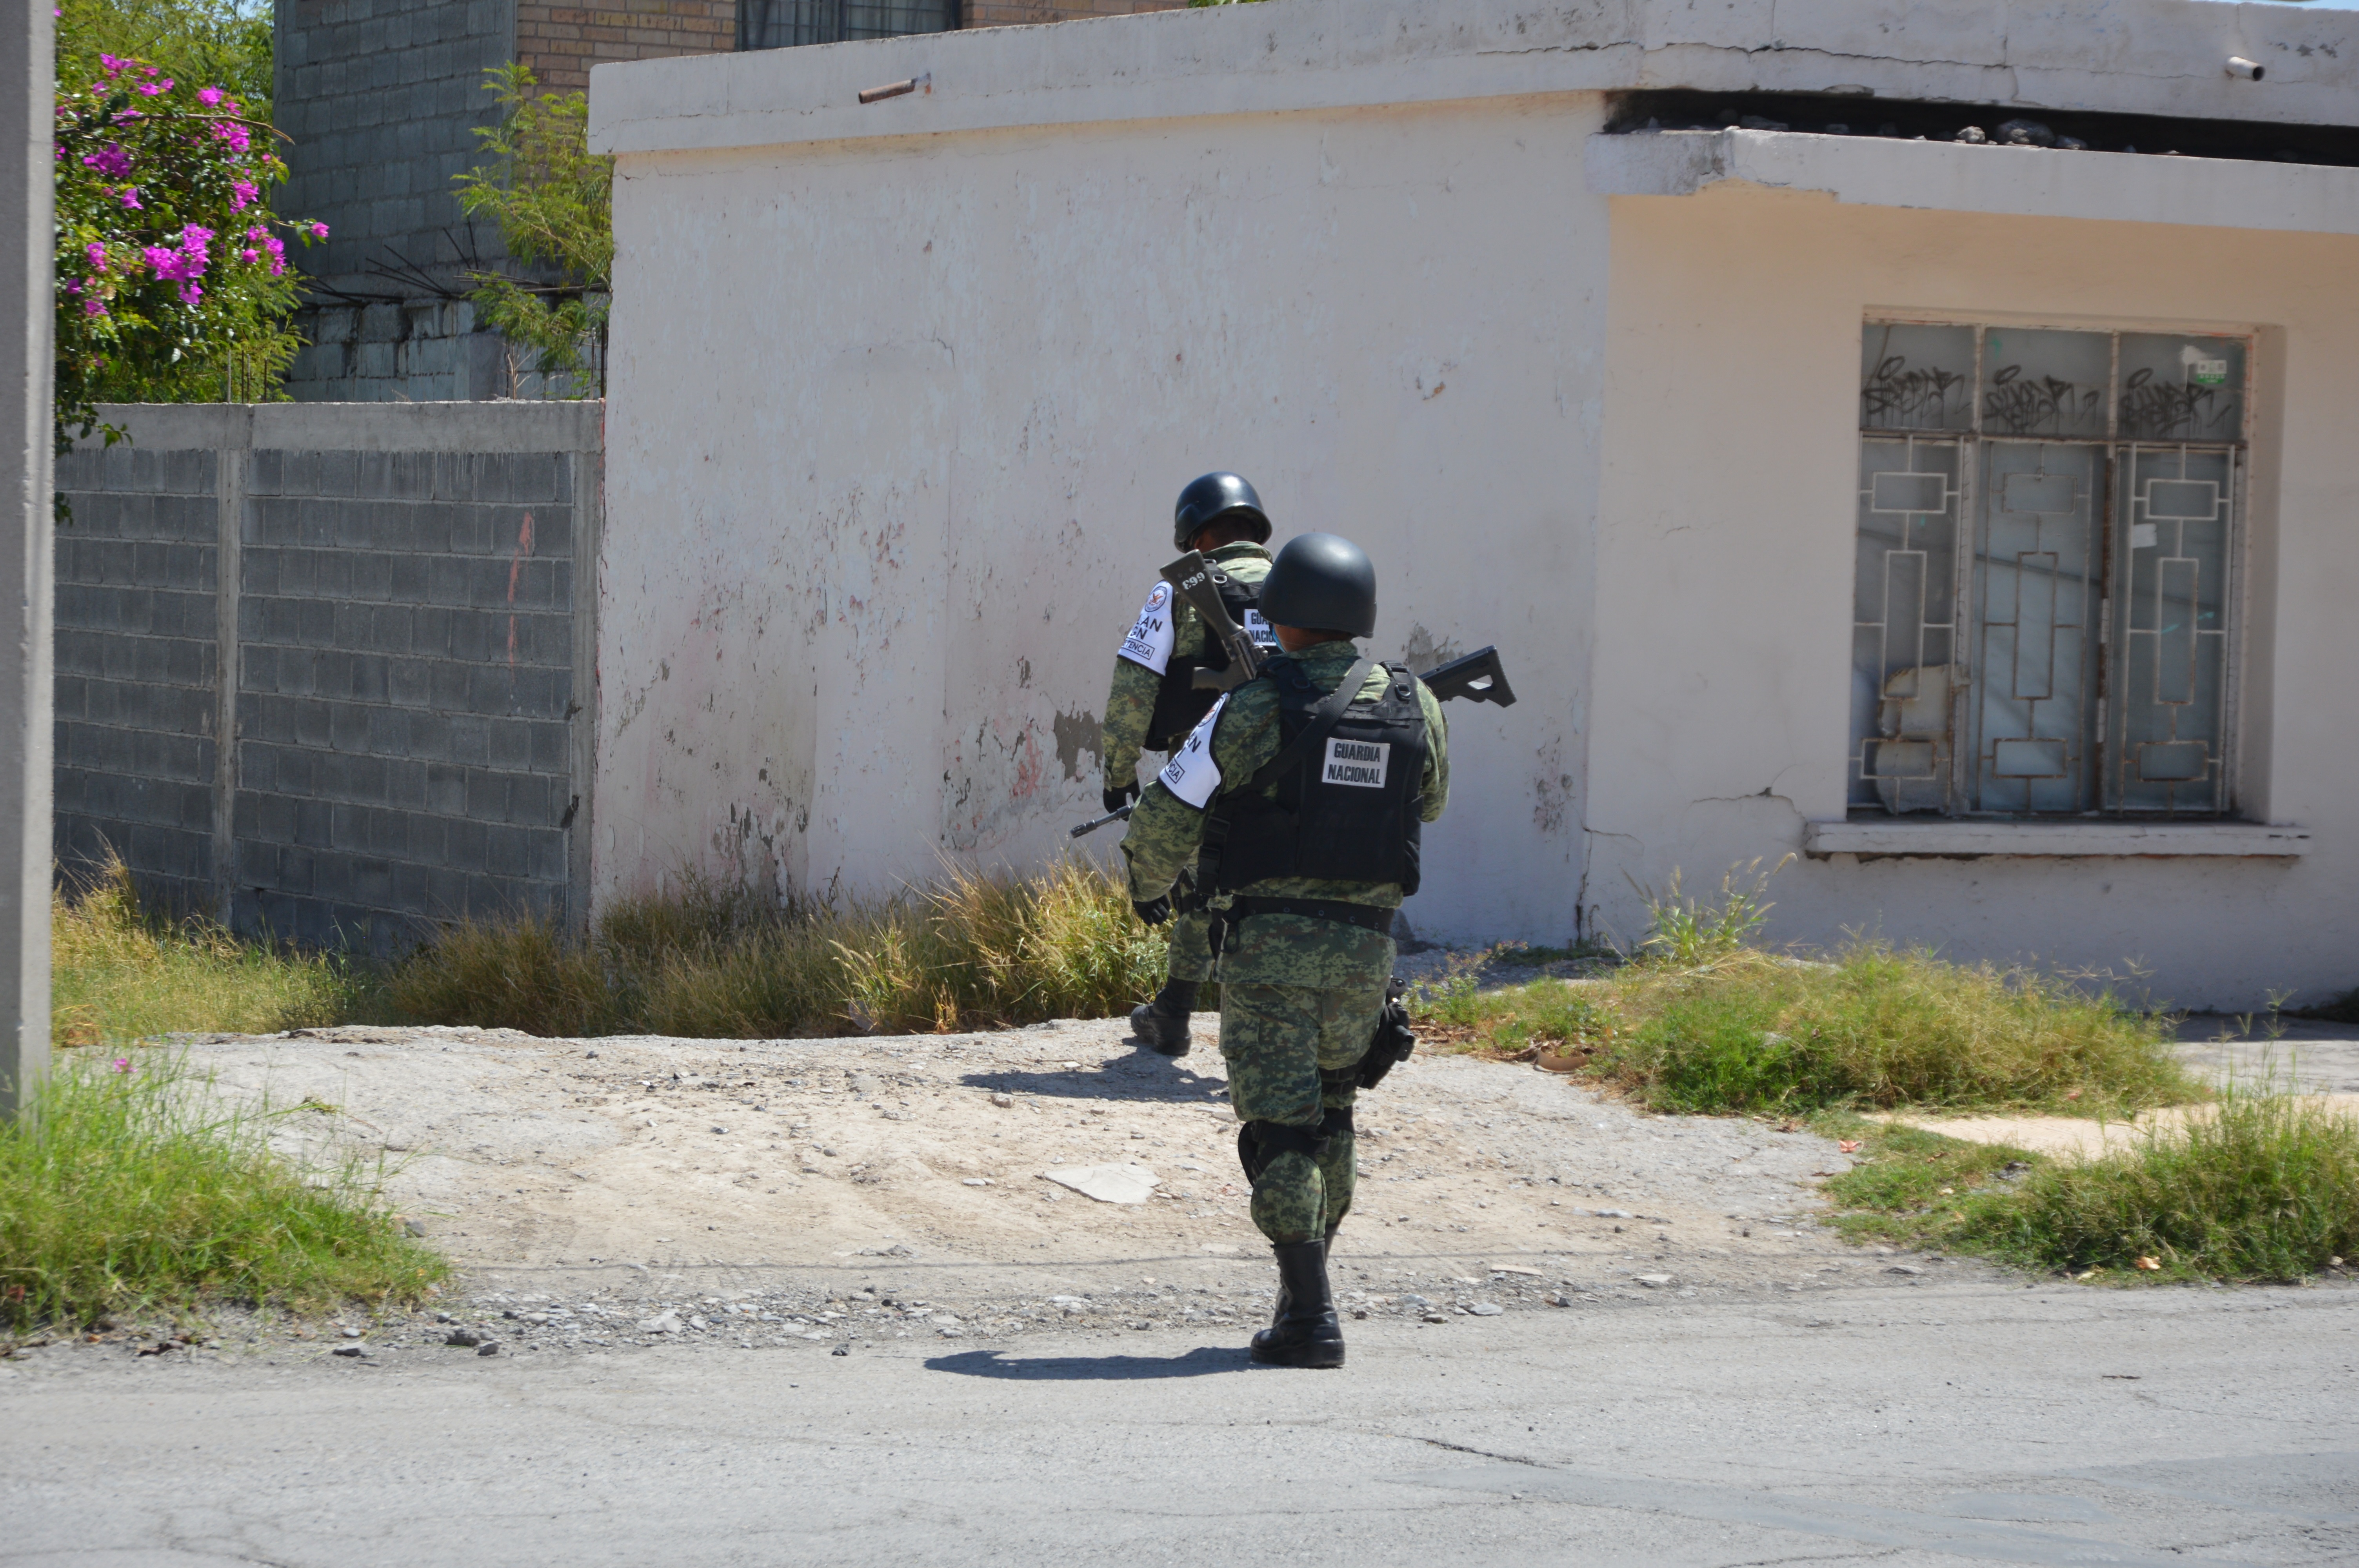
x=1395, y=1039
x=1115, y=799
x=1154, y=911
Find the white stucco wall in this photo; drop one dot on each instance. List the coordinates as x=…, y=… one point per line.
x=888, y=481
x=901, y=394
x=1725, y=560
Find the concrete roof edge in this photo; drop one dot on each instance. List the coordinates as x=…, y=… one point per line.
x=2152, y=57
x=506, y=426
x=1872, y=171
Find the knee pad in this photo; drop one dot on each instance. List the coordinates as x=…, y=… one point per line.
x=1259, y=1142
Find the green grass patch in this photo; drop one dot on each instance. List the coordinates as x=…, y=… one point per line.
x=132, y=1188
x=119, y=973
x=2263, y=1186
x=973, y=950
x=1699, y=1022
x=1751, y=1032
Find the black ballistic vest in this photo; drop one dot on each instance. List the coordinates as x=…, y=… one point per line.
x=1346, y=808
x=1180, y=706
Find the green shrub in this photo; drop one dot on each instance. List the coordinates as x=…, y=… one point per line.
x=132, y=1188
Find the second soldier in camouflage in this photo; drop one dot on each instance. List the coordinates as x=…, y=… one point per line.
x=1155, y=702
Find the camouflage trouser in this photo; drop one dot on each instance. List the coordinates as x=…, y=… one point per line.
x=1191, y=948
x=1274, y=1040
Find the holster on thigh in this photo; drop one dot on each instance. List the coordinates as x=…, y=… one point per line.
x=1259, y=1142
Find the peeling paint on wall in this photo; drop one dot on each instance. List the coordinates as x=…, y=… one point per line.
x=1423, y=652
x=1076, y=733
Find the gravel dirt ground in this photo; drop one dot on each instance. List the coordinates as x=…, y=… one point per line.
x=774, y=1191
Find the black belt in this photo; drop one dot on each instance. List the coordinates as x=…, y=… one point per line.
x=1366, y=916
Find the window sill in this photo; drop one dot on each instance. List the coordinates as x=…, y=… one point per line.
x=1972, y=840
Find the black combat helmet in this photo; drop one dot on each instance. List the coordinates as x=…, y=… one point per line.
x=1321, y=582
x=1214, y=496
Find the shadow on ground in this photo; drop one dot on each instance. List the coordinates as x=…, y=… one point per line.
x=1202, y=1361
x=1143, y=1076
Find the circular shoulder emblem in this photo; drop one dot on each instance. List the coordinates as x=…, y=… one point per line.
x=1159, y=596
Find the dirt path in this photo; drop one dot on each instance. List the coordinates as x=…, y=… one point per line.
x=784, y=1177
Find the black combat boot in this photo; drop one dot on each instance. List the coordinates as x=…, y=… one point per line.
x=1304, y=1333
x=1163, y=1022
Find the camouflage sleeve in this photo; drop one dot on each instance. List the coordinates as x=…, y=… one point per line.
x=1164, y=831
x=1434, y=788
x=1128, y=707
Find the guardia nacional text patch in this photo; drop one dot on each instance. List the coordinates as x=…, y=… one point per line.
x=1358, y=762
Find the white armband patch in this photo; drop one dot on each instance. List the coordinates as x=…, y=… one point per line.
x=1191, y=775
x=1149, y=642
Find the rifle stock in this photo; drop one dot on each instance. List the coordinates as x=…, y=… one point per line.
x=1191, y=578
x=1480, y=676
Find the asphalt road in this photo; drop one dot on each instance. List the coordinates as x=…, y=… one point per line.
x=1947, y=1421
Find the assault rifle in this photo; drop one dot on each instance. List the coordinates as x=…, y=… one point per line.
x=1480, y=676
x=1191, y=578
x=1094, y=823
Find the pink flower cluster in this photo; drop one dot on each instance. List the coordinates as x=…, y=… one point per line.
x=110, y=160
x=183, y=265
x=271, y=242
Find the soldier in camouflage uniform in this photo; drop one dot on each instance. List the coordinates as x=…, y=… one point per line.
x=1305, y=807
x=1154, y=703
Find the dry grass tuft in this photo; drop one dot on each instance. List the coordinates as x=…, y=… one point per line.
x=118, y=973
x=974, y=950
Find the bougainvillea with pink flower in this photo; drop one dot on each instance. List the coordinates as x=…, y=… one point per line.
x=172, y=280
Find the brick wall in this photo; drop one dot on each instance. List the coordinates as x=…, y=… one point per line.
x=408, y=639
x=561, y=43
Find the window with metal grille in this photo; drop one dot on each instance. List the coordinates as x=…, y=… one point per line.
x=2044, y=615
x=782, y=24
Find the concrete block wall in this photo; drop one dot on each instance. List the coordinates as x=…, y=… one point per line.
x=136, y=652
x=400, y=593
x=380, y=100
